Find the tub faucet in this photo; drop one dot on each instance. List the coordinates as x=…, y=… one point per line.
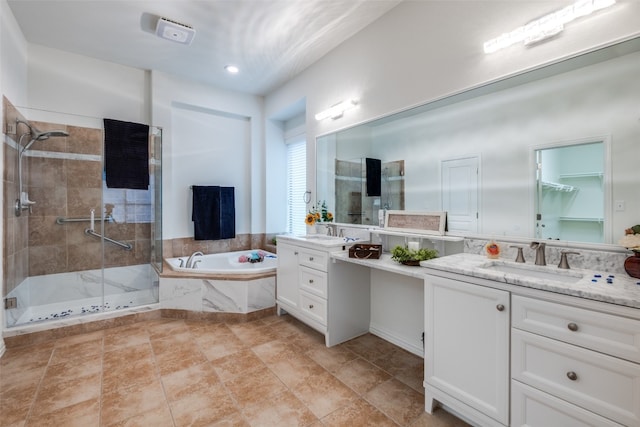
x=539, y=247
x=190, y=262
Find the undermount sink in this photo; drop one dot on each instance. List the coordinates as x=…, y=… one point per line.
x=539, y=272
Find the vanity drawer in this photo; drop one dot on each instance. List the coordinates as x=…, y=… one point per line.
x=314, y=259
x=314, y=307
x=531, y=407
x=313, y=281
x=614, y=335
x=605, y=385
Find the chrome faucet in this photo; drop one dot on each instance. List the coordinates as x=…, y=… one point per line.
x=564, y=264
x=190, y=262
x=329, y=230
x=539, y=247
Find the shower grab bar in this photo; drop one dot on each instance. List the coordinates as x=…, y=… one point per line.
x=61, y=220
x=90, y=232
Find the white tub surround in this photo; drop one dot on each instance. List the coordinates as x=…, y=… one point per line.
x=241, y=294
x=226, y=263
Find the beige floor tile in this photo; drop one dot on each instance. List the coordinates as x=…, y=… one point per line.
x=83, y=414
x=235, y=420
x=361, y=376
x=157, y=417
x=179, y=359
x=370, y=347
x=282, y=410
x=16, y=379
x=397, y=400
x=63, y=393
x=76, y=351
x=324, y=393
x=295, y=369
x=15, y=405
x=220, y=347
x=398, y=361
x=126, y=375
x=359, y=413
x=331, y=358
x=170, y=344
x=125, y=403
x=203, y=407
x=235, y=364
x=257, y=385
x=181, y=383
x=73, y=369
x=128, y=337
x=252, y=334
x=26, y=358
x=114, y=359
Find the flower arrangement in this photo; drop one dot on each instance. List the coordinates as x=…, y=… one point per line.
x=631, y=239
x=253, y=257
x=318, y=213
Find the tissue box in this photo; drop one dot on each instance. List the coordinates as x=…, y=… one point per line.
x=365, y=251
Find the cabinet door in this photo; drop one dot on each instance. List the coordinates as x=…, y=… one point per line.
x=467, y=344
x=287, y=275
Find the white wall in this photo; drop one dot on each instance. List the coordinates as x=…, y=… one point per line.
x=422, y=51
x=242, y=166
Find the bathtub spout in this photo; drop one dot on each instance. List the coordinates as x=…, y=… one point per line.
x=190, y=263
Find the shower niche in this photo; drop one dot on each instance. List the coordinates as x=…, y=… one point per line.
x=54, y=187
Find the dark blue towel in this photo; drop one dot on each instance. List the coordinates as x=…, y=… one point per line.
x=374, y=176
x=126, y=154
x=213, y=214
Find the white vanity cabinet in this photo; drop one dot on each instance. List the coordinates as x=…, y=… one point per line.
x=570, y=363
x=331, y=297
x=467, y=349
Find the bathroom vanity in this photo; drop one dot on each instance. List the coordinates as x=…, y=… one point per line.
x=332, y=298
x=526, y=348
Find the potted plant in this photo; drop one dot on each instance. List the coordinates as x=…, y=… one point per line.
x=407, y=256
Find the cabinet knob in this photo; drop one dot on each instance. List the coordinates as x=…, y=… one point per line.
x=572, y=327
x=500, y=307
x=572, y=375
x=295, y=253
x=311, y=306
x=310, y=258
x=310, y=280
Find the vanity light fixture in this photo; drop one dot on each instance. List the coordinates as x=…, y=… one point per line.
x=336, y=111
x=547, y=26
x=232, y=69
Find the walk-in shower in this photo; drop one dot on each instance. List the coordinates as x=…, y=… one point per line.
x=54, y=170
x=23, y=201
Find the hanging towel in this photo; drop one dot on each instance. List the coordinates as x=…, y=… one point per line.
x=213, y=213
x=126, y=154
x=374, y=176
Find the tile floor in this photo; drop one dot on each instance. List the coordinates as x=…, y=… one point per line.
x=271, y=372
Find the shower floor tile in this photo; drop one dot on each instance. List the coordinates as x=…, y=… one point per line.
x=271, y=372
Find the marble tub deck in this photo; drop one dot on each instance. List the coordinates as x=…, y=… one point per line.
x=217, y=293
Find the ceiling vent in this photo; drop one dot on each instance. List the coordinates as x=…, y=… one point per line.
x=175, y=31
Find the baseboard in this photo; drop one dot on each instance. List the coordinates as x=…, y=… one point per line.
x=394, y=339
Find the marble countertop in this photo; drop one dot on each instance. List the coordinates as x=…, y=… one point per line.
x=320, y=241
x=590, y=284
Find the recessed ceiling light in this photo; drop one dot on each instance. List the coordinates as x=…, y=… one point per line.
x=232, y=69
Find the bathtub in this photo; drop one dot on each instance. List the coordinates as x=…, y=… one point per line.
x=220, y=283
x=227, y=263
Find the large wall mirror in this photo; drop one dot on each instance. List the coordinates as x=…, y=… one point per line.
x=580, y=118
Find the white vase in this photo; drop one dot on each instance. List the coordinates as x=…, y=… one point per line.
x=311, y=229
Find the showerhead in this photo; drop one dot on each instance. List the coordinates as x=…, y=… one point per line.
x=41, y=136
x=37, y=135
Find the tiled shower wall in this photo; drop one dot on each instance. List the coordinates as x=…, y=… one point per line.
x=64, y=177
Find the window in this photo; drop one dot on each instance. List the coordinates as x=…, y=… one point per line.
x=296, y=184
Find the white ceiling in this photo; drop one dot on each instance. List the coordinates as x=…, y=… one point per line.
x=270, y=40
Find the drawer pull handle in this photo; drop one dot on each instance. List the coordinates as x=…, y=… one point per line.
x=295, y=253
x=311, y=306
x=572, y=375
x=310, y=280
x=572, y=327
x=310, y=258
x=500, y=307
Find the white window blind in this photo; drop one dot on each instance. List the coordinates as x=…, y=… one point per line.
x=296, y=185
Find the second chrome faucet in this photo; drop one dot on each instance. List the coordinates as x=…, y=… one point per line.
x=539, y=247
